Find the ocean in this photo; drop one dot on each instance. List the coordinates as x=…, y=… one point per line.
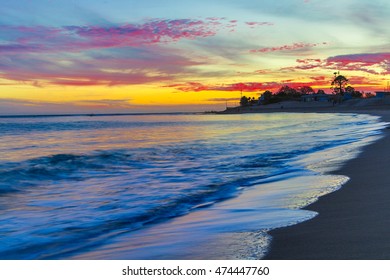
x=167, y=186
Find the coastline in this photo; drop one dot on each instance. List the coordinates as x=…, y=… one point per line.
x=352, y=222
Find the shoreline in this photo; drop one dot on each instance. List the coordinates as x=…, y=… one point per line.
x=353, y=222
x=307, y=108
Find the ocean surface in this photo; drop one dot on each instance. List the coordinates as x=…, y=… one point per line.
x=181, y=186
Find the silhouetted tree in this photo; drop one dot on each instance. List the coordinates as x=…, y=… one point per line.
x=338, y=84
x=320, y=91
x=252, y=101
x=306, y=90
x=267, y=95
x=244, y=101
x=286, y=91
x=349, y=89
x=357, y=94
x=353, y=92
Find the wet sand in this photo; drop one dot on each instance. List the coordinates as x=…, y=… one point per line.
x=353, y=222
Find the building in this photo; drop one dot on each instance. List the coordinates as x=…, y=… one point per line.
x=382, y=94
x=316, y=97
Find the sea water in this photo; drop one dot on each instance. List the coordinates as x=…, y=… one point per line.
x=180, y=186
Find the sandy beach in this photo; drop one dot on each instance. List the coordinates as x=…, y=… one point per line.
x=353, y=222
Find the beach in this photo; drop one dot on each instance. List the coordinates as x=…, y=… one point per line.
x=353, y=222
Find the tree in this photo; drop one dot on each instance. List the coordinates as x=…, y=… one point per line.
x=267, y=95
x=286, y=91
x=244, y=101
x=338, y=84
x=252, y=101
x=306, y=90
x=357, y=94
x=349, y=89
x=353, y=92
x=320, y=91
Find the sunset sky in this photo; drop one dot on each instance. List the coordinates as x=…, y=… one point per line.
x=95, y=56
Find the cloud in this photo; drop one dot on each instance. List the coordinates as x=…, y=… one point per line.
x=111, y=55
x=306, y=64
x=254, y=24
x=318, y=78
x=43, y=39
x=373, y=63
x=255, y=87
x=15, y=48
x=107, y=72
x=245, y=87
x=364, y=81
x=110, y=71
x=190, y=86
x=46, y=39
x=110, y=67
x=293, y=47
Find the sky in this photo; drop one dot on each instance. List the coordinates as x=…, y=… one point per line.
x=119, y=56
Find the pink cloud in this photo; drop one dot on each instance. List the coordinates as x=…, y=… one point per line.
x=28, y=54
x=190, y=86
x=373, y=63
x=361, y=62
x=106, y=71
x=253, y=87
x=82, y=79
x=215, y=18
x=245, y=87
x=78, y=38
x=305, y=64
x=309, y=60
x=359, y=80
x=254, y=24
x=156, y=31
x=295, y=46
x=319, y=78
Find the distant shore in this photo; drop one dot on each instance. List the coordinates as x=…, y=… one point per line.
x=353, y=222
x=314, y=107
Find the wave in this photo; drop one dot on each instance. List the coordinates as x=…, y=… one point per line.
x=91, y=193
x=127, y=207
x=16, y=176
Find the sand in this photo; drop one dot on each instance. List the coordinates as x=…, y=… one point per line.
x=353, y=222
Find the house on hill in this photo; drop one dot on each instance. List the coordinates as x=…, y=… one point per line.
x=382, y=94
x=316, y=97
